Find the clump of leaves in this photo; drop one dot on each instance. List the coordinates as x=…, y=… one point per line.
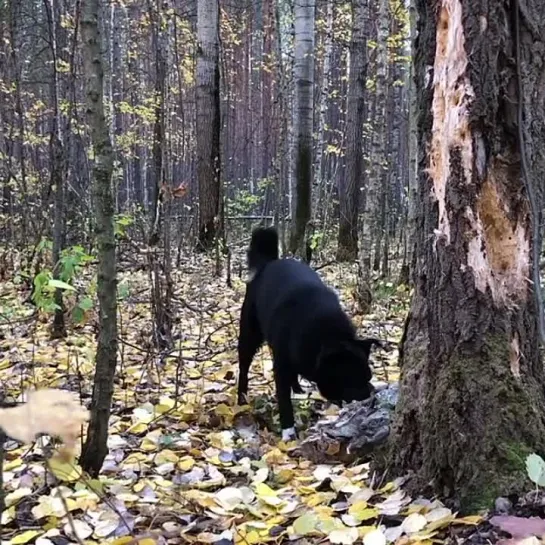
x=49, y=411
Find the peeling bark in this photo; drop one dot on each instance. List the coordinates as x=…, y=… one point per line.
x=472, y=403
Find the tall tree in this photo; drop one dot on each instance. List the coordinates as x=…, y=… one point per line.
x=95, y=448
x=404, y=275
x=303, y=120
x=160, y=272
x=377, y=190
x=208, y=122
x=472, y=401
x=350, y=185
x=57, y=161
x=322, y=107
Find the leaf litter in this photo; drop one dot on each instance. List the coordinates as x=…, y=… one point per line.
x=185, y=464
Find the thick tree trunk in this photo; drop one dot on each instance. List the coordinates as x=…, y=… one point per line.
x=349, y=191
x=208, y=122
x=95, y=448
x=472, y=402
x=303, y=122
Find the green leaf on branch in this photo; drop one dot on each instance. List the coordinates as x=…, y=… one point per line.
x=59, y=284
x=535, y=466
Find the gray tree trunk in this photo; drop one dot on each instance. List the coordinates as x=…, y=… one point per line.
x=351, y=184
x=376, y=195
x=58, y=169
x=208, y=122
x=320, y=159
x=405, y=274
x=303, y=121
x=95, y=447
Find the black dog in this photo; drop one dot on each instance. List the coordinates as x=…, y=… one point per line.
x=288, y=305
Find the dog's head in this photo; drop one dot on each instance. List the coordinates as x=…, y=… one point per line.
x=343, y=372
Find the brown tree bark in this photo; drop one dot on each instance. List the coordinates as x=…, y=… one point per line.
x=472, y=401
x=95, y=447
x=350, y=187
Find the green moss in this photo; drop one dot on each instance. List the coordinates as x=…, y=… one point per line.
x=478, y=425
x=475, y=503
x=509, y=476
x=515, y=455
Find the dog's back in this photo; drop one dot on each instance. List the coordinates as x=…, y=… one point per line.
x=293, y=306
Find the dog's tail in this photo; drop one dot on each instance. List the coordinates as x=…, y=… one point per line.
x=263, y=248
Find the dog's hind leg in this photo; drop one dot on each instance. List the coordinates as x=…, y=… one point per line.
x=249, y=340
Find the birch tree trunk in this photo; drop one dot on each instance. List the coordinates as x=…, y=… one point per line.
x=376, y=195
x=349, y=189
x=472, y=402
x=303, y=121
x=404, y=276
x=95, y=447
x=208, y=122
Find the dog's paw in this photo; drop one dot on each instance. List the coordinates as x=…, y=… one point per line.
x=289, y=434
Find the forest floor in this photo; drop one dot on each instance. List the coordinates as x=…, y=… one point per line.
x=182, y=467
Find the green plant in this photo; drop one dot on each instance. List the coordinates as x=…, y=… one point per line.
x=316, y=239
x=71, y=262
x=244, y=202
x=44, y=290
x=121, y=223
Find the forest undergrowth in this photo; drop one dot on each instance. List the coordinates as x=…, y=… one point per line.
x=185, y=464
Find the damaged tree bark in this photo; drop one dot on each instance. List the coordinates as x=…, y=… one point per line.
x=471, y=402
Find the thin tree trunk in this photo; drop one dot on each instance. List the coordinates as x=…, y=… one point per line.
x=58, y=171
x=349, y=192
x=14, y=7
x=323, y=109
x=472, y=402
x=95, y=447
x=303, y=122
x=405, y=274
x=376, y=195
x=208, y=123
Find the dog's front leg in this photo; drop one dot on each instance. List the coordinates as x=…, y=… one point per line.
x=249, y=340
x=283, y=383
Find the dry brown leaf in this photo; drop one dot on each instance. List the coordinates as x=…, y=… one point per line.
x=53, y=412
